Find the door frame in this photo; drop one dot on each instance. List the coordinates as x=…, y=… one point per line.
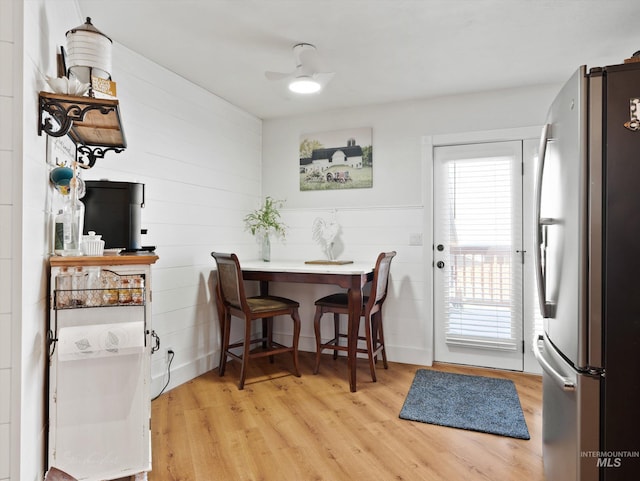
x=470, y=156
x=428, y=143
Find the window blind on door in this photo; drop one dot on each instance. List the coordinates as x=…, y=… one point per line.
x=483, y=287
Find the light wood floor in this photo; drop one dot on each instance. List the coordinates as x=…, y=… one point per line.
x=312, y=428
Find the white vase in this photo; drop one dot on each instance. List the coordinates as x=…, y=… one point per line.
x=266, y=248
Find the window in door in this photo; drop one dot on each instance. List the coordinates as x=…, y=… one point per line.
x=478, y=254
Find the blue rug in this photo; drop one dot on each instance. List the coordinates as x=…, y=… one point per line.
x=476, y=403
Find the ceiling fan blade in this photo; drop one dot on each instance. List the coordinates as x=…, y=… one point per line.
x=306, y=58
x=323, y=77
x=278, y=75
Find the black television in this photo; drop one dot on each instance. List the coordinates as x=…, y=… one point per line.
x=113, y=210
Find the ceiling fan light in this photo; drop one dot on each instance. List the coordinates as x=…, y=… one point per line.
x=304, y=85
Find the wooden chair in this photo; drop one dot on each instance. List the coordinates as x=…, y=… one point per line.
x=233, y=302
x=371, y=311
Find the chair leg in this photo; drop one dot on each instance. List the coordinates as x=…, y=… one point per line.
x=296, y=338
x=336, y=332
x=316, y=328
x=375, y=341
x=369, y=339
x=246, y=352
x=226, y=322
x=380, y=337
x=270, y=336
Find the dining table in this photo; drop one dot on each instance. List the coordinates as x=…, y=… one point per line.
x=349, y=275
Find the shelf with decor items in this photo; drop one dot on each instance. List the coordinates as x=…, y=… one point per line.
x=93, y=124
x=100, y=343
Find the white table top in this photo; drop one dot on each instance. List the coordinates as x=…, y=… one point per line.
x=300, y=266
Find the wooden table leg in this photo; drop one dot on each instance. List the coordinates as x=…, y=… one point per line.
x=355, y=308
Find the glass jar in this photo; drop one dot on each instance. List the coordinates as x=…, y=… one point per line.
x=137, y=290
x=73, y=222
x=63, y=288
x=78, y=286
x=58, y=233
x=110, y=288
x=94, y=287
x=124, y=293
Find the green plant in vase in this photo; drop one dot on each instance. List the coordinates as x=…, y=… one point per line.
x=265, y=222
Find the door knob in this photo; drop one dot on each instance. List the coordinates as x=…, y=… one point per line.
x=440, y=247
x=440, y=264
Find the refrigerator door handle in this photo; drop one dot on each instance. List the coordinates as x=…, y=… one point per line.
x=565, y=383
x=546, y=308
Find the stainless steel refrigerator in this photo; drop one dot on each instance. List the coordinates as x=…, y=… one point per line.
x=588, y=276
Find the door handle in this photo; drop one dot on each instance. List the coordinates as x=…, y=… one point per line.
x=546, y=308
x=565, y=383
x=440, y=264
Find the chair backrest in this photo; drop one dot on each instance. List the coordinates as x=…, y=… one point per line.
x=381, y=278
x=230, y=279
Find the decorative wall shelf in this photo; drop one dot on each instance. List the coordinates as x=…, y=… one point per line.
x=93, y=124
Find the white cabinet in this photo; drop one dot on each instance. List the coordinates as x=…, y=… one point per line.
x=99, y=366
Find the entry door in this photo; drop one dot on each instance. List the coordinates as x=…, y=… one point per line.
x=478, y=254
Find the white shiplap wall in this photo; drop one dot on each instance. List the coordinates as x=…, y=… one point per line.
x=7, y=163
x=365, y=232
x=40, y=24
x=200, y=160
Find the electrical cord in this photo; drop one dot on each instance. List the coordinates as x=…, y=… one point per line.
x=171, y=356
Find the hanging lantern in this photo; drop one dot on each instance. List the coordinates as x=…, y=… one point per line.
x=88, y=53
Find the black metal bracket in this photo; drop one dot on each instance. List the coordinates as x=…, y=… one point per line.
x=56, y=118
x=86, y=155
x=65, y=115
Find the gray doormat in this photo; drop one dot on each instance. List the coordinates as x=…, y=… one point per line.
x=476, y=403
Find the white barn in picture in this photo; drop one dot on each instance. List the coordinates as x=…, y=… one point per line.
x=348, y=156
x=336, y=157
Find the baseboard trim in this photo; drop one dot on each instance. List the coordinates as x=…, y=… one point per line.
x=185, y=372
x=190, y=370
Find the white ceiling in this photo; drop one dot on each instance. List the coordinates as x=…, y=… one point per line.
x=381, y=50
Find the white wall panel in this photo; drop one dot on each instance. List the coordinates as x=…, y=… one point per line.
x=6, y=123
x=6, y=22
x=44, y=27
x=200, y=160
x=365, y=232
x=5, y=451
x=6, y=74
x=5, y=233
x=5, y=345
x=6, y=179
x=5, y=399
x=7, y=159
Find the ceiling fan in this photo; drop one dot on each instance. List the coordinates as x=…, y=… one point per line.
x=305, y=79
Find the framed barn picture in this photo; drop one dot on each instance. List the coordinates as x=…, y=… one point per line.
x=338, y=159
